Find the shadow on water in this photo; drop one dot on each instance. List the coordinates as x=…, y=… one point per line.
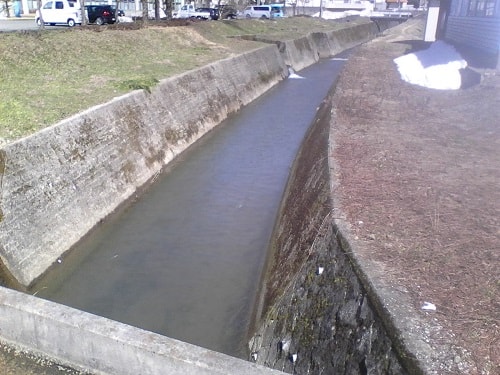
x=186, y=258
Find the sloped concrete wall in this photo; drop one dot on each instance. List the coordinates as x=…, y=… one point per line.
x=59, y=183
x=301, y=52
x=331, y=43
x=317, y=317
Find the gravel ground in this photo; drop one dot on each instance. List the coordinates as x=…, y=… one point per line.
x=417, y=177
x=15, y=362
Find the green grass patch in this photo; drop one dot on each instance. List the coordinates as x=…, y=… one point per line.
x=138, y=84
x=46, y=76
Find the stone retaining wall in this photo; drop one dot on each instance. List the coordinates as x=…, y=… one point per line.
x=317, y=318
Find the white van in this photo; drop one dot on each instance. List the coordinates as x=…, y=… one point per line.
x=258, y=11
x=59, y=12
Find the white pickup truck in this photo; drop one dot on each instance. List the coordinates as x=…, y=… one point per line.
x=189, y=11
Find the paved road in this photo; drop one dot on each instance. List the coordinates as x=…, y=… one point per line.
x=18, y=24
x=15, y=24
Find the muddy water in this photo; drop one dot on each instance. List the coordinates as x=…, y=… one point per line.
x=185, y=259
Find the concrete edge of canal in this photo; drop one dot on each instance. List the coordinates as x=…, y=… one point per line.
x=102, y=346
x=317, y=315
x=54, y=192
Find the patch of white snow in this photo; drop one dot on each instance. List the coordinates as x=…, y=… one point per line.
x=437, y=67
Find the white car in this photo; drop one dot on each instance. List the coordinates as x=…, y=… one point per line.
x=264, y=11
x=258, y=11
x=55, y=12
x=189, y=11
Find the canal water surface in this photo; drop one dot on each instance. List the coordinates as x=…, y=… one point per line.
x=185, y=258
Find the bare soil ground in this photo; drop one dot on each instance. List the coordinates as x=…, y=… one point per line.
x=419, y=178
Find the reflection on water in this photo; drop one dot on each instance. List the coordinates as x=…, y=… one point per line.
x=185, y=259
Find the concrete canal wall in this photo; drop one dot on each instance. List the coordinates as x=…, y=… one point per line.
x=315, y=315
x=59, y=183
x=302, y=52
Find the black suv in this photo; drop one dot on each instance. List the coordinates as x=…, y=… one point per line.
x=100, y=14
x=224, y=12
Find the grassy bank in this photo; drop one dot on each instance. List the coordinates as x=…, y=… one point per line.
x=47, y=76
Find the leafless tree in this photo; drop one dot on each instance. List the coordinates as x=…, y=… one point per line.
x=5, y=7
x=117, y=9
x=219, y=11
x=169, y=8
x=39, y=6
x=84, y=14
x=157, y=10
x=144, y=11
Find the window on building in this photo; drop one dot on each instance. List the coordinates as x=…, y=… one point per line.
x=481, y=8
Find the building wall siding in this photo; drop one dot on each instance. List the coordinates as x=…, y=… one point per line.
x=479, y=32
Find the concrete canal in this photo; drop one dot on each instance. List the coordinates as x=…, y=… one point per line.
x=185, y=259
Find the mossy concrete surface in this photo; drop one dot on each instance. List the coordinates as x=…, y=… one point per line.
x=59, y=183
x=318, y=317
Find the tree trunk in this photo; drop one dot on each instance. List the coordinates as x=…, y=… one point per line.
x=144, y=12
x=117, y=9
x=84, y=14
x=157, y=10
x=169, y=7
x=6, y=7
x=39, y=5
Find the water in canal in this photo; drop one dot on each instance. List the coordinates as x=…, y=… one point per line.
x=184, y=260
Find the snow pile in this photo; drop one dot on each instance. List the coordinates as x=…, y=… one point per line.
x=125, y=19
x=293, y=75
x=329, y=15
x=437, y=67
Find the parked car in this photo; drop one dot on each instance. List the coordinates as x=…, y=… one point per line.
x=189, y=11
x=55, y=12
x=277, y=10
x=224, y=13
x=204, y=10
x=258, y=11
x=121, y=17
x=100, y=14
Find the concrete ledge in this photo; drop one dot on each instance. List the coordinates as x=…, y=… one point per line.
x=103, y=346
x=393, y=307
